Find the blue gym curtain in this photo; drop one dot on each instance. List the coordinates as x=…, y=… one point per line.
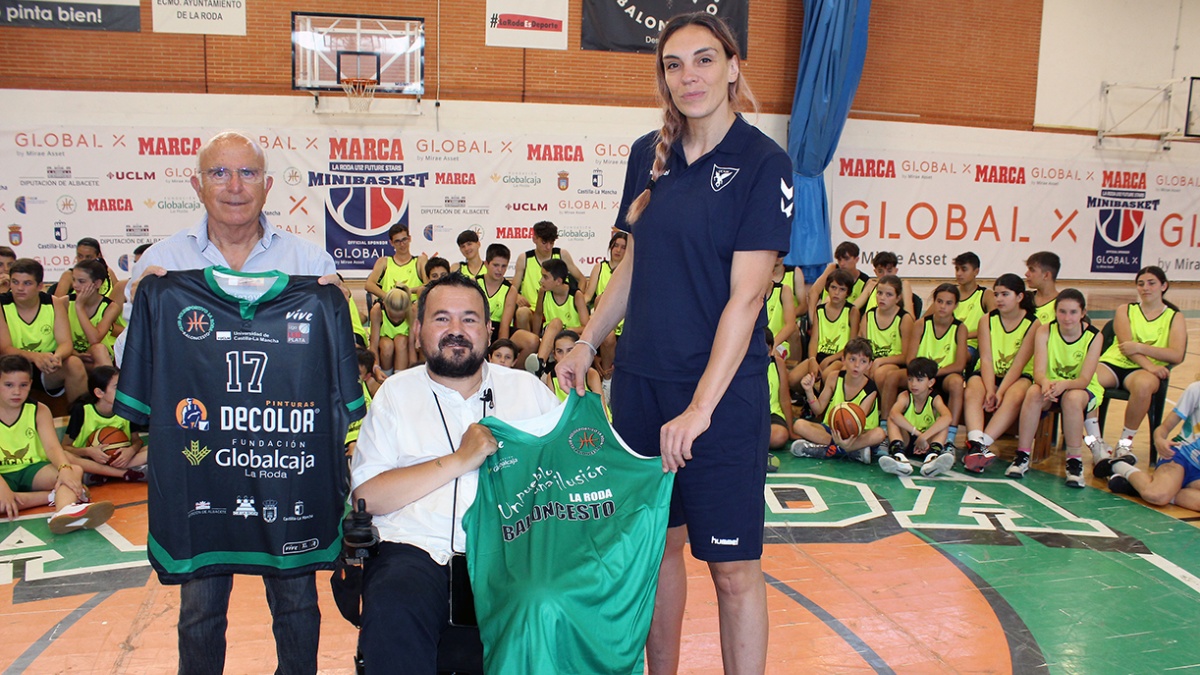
x=832, y=51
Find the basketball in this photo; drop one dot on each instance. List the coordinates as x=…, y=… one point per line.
x=112, y=437
x=398, y=300
x=848, y=419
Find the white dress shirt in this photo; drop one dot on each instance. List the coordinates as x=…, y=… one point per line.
x=404, y=427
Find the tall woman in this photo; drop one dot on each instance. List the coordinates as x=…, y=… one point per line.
x=1147, y=340
x=707, y=201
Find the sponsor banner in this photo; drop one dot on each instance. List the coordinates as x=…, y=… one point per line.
x=342, y=189
x=527, y=24
x=114, y=15
x=623, y=26
x=203, y=17
x=1105, y=219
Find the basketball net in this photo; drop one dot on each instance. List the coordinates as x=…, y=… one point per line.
x=359, y=92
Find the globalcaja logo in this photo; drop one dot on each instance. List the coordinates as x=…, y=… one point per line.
x=586, y=441
x=518, y=179
x=195, y=322
x=174, y=204
x=1120, y=221
x=365, y=196
x=196, y=454
x=191, y=413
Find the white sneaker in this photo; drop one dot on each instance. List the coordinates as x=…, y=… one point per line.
x=1100, y=449
x=863, y=455
x=1019, y=466
x=897, y=466
x=938, y=465
x=80, y=517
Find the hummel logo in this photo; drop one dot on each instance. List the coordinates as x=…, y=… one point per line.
x=785, y=202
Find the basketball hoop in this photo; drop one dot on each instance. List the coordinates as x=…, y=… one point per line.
x=359, y=92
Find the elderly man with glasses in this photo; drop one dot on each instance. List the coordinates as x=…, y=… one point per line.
x=232, y=183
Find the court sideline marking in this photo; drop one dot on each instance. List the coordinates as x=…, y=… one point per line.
x=35, y=650
x=856, y=643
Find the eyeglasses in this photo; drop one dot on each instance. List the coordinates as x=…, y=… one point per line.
x=220, y=175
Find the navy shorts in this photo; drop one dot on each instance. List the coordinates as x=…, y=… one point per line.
x=719, y=493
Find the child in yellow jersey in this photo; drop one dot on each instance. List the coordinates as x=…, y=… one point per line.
x=560, y=307
x=845, y=258
x=836, y=322
x=888, y=327
x=596, y=285
x=851, y=385
x=943, y=338
x=503, y=353
x=564, y=341
x=35, y=469
x=917, y=426
x=886, y=264
x=781, y=308
x=35, y=325
x=1005, y=370
x=91, y=314
x=527, y=271
x=389, y=337
x=366, y=376
x=780, y=402
x=93, y=413
x=1065, y=354
x=1041, y=275
x=975, y=301
x=400, y=268
x=1149, y=336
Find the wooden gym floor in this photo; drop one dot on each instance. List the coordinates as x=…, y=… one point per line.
x=866, y=573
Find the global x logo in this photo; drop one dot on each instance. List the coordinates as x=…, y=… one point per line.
x=586, y=441
x=722, y=176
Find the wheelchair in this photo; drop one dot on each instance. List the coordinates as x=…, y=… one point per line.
x=458, y=650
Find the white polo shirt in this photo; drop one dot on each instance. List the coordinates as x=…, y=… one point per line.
x=404, y=427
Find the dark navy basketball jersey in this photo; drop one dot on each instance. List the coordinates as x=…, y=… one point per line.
x=248, y=382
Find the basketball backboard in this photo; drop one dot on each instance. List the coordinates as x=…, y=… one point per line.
x=327, y=48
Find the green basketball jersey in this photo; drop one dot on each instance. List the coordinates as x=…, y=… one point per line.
x=924, y=418
x=395, y=274
x=31, y=336
x=1064, y=360
x=567, y=311
x=833, y=334
x=773, y=388
x=774, y=304
x=1156, y=333
x=20, y=444
x=970, y=311
x=78, y=337
x=943, y=350
x=885, y=341
x=495, y=300
x=93, y=421
x=839, y=397
x=1006, y=344
x=1047, y=312
x=531, y=283
x=564, y=542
